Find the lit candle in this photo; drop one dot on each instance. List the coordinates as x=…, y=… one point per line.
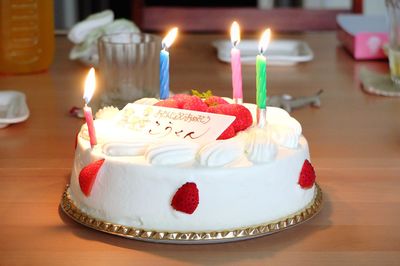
x=236, y=65
x=261, y=78
x=164, y=63
x=90, y=84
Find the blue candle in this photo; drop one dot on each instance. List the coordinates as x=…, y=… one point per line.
x=164, y=74
x=164, y=63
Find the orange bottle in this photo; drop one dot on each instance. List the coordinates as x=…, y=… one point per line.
x=26, y=36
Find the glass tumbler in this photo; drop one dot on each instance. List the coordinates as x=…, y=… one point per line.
x=393, y=9
x=129, y=68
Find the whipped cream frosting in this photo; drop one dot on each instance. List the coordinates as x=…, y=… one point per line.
x=261, y=148
x=171, y=152
x=147, y=101
x=258, y=145
x=124, y=148
x=284, y=129
x=107, y=113
x=244, y=181
x=220, y=153
x=284, y=135
x=127, y=191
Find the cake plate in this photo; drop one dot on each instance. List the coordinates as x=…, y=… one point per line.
x=268, y=228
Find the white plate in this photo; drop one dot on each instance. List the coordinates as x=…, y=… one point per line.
x=279, y=52
x=13, y=108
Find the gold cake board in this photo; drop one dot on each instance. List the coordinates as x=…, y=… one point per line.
x=290, y=221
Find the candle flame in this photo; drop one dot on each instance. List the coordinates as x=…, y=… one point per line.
x=264, y=41
x=90, y=84
x=170, y=38
x=235, y=33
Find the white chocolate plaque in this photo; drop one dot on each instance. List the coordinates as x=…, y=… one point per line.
x=161, y=122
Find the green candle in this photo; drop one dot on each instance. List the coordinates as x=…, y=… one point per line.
x=261, y=71
x=261, y=81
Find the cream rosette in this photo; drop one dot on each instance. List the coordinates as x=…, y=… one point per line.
x=172, y=152
x=107, y=113
x=284, y=129
x=221, y=152
x=260, y=148
x=124, y=148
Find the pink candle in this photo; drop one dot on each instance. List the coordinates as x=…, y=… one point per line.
x=89, y=121
x=236, y=75
x=236, y=65
x=90, y=83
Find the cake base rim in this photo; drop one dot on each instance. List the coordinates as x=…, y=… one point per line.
x=209, y=237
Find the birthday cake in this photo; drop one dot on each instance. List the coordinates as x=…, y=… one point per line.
x=192, y=165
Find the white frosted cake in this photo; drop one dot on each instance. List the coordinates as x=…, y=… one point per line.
x=149, y=169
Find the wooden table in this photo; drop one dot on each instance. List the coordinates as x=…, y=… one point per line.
x=355, y=148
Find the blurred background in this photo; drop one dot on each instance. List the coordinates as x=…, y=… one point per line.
x=148, y=14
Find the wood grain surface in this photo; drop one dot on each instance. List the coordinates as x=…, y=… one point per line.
x=355, y=147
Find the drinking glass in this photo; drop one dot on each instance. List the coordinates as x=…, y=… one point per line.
x=393, y=8
x=129, y=68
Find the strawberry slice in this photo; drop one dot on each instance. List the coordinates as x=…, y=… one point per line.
x=307, y=175
x=88, y=175
x=186, y=199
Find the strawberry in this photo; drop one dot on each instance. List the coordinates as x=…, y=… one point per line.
x=243, y=116
x=167, y=103
x=186, y=199
x=87, y=176
x=228, y=133
x=216, y=109
x=215, y=100
x=195, y=103
x=307, y=175
x=181, y=99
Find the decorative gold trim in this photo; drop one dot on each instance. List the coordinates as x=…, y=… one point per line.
x=193, y=237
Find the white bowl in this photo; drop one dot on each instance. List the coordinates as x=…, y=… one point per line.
x=13, y=108
x=279, y=52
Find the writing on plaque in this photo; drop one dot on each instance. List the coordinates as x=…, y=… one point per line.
x=162, y=122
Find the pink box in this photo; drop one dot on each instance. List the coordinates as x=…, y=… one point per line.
x=363, y=36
